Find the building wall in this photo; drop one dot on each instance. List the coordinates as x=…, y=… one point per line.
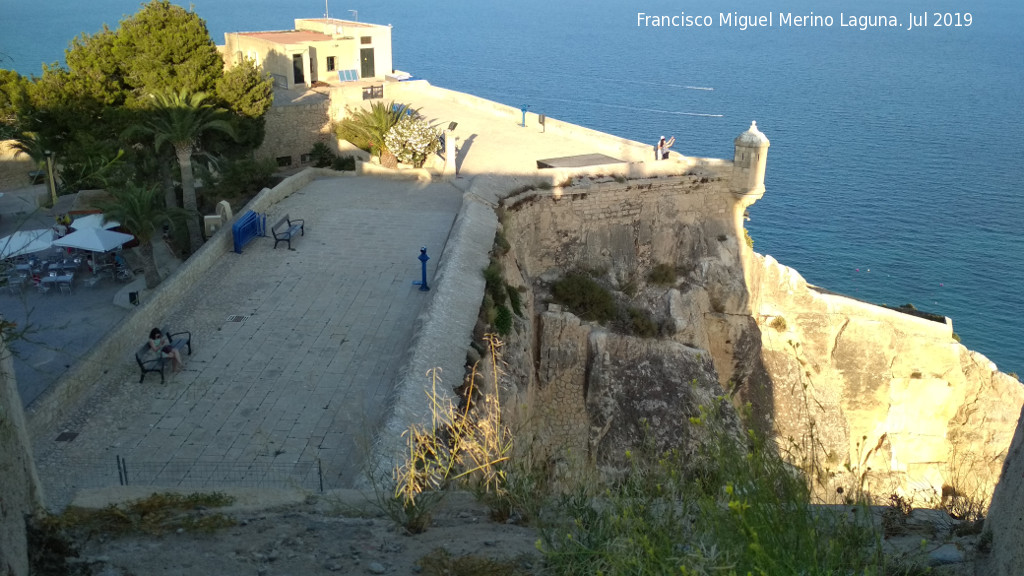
x=276, y=59
x=13, y=169
x=346, y=45
x=292, y=130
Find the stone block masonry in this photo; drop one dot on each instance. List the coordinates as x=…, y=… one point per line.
x=292, y=131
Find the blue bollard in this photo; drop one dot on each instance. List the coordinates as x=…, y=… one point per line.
x=523, y=125
x=423, y=259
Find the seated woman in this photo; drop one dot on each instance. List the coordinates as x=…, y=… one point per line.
x=159, y=343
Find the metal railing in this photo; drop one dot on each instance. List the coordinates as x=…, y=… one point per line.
x=215, y=475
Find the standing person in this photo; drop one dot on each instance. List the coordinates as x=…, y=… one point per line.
x=159, y=343
x=663, y=146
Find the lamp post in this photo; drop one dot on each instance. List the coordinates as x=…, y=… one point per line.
x=49, y=177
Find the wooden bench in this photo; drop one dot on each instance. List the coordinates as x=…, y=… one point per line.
x=288, y=228
x=154, y=361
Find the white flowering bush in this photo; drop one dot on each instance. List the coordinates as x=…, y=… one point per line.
x=412, y=140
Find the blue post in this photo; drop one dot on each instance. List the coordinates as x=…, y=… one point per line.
x=523, y=125
x=423, y=259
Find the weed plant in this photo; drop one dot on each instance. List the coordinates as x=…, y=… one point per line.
x=663, y=274
x=440, y=562
x=465, y=443
x=585, y=297
x=735, y=509
x=159, y=513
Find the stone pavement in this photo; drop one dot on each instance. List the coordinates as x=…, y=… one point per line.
x=295, y=352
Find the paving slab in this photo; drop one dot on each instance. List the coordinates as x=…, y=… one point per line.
x=294, y=351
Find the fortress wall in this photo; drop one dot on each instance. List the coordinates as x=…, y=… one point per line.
x=14, y=169
x=119, y=345
x=20, y=493
x=293, y=129
x=631, y=225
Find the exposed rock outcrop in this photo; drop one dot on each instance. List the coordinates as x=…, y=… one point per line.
x=1005, y=521
x=859, y=395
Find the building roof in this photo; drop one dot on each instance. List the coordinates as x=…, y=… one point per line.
x=345, y=23
x=289, y=36
x=752, y=137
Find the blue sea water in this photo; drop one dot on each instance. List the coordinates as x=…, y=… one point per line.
x=896, y=163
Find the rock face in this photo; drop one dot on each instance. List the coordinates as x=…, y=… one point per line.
x=862, y=397
x=19, y=496
x=600, y=394
x=1005, y=519
x=894, y=402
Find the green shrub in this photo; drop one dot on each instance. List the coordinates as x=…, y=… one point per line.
x=440, y=562
x=515, y=299
x=412, y=140
x=321, y=156
x=495, y=282
x=501, y=244
x=245, y=176
x=664, y=274
x=741, y=511
x=503, y=320
x=585, y=297
x=779, y=323
x=748, y=239
x=640, y=323
x=344, y=163
x=956, y=337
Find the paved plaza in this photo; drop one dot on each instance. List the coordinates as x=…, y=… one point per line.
x=294, y=352
x=300, y=357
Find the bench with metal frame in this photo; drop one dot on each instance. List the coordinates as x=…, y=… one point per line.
x=289, y=228
x=150, y=360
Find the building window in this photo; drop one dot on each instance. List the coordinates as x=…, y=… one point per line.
x=366, y=40
x=283, y=161
x=305, y=158
x=330, y=63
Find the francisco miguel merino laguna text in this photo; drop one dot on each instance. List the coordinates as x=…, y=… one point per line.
x=790, y=20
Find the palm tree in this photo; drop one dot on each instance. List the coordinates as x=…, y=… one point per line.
x=180, y=119
x=139, y=210
x=367, y=128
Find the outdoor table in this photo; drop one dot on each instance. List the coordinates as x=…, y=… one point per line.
x=57, y=279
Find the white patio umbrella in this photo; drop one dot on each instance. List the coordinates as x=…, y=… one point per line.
x=93, y=221
x=25, y=242
x=94, y=240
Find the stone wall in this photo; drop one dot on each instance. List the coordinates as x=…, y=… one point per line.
x=292, y=129
x=19, y=488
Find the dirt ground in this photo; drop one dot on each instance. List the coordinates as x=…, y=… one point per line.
x=334, y=533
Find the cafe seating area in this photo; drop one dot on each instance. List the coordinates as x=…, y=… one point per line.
x=62, y=271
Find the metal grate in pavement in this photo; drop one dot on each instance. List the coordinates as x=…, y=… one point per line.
x=237, y=318
x=67, y=436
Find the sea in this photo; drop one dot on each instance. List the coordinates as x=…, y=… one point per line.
x=896, y=165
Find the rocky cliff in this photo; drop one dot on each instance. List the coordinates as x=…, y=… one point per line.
x=859, y=395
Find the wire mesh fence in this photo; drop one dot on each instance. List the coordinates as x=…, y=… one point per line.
x=207, y=475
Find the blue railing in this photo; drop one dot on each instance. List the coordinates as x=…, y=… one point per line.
x=248, y=226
